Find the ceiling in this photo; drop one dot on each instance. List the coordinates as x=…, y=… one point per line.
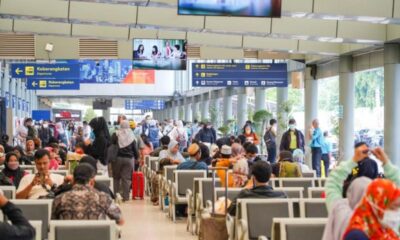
x=317, y=28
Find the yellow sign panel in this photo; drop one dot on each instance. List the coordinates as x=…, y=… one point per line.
x=203, y=74
x=29, y=70
x=42, y=84
x=247, y=67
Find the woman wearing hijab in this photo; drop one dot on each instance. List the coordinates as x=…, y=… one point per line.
x=180, y=135
x=102, y=138
x=341, y=209
x=240, y=167
x=172, y=153
x=12, y=169
x=285, y=167
x=377, y=217
x=123, y=167
x=298, y=157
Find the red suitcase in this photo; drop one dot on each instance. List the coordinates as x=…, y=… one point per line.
x=137, y=185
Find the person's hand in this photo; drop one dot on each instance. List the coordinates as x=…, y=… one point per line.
x=68, y=179
x=3, y=200
x=36, y=181
x=87, y=142
x=47, y=180
x=176, y=161
x=360, y=153
x=381, y=155
x=121, y=222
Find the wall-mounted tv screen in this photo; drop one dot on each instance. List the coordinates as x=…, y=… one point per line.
x=244, y=8
x=159, y=54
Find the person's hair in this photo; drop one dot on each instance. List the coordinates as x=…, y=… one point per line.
x=145, y=140
x=39, y=154
x=80, y=145
x=20, y=150
x=242, y=139
x=195, y=121
x=9, y=155
x=139, y=48
x=251, y=148
x=5, y=138
x=155, y=51
x=292, y=121
x=359, y=144
x=85, y=122
x=165, y=140
x=261, y=171
x=205, y=151
x=272, y=121
x=89, y=160
x=225, y=155
x=247, y=125
x=326, y=133
x=54, y=145
x=83, y=173
x=178, y=47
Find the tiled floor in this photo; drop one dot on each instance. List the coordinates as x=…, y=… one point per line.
x=144, y=221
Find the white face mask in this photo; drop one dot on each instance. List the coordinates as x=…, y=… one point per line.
x=391, y=218
x=45, y=125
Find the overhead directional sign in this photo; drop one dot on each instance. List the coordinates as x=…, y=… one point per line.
x=45, y=71
x=239, y=74
x=52, y=84
x=144, y=104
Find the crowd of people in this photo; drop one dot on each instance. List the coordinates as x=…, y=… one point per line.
x=363, y=203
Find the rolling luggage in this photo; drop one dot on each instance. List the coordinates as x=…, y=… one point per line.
x=137, y=185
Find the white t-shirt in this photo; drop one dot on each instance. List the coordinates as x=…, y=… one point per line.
x=38, y=191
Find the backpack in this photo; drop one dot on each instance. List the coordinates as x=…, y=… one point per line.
x=153, y=134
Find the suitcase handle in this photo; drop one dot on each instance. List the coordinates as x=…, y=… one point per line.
x=213, y=169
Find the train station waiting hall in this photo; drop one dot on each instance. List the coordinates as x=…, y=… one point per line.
x=209, y=120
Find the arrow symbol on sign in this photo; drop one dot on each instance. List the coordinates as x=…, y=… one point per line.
x=34, y=84
x=18, y=71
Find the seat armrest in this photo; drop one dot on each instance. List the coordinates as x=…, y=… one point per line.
x=242, y=228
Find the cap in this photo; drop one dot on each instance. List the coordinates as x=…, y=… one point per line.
x=286, y=156
x=226, y=150
x=193, y=149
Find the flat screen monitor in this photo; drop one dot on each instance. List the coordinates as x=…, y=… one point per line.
x=243, y=8
x=159, y=54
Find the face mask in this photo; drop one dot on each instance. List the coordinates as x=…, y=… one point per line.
x=292, y=127
x=45, y=125
x=391, y=218
x=13, y=165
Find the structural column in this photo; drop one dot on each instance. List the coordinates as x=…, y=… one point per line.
x=310, y=108
x=215, y=106
x=107, y=114
x=392, y=102
x=175, y=110
x=188, y=110
x=346, y=108
x=227, y=105
x=205, y=107
x=195, y=108
x=260, y=99
x=242, y=107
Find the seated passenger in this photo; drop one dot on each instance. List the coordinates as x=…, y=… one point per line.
x=34, y=186
x=227, y=162
x=164, y=146
x=341, y=209
x=251, y=153
x=53, y=161
x=2, y=155
x=261, y=173
x=67, y=186
x=20, y=228
x=298, y=157
x=23, y=159
x=195, y=162
x=240, y=168
x=173, y=154
x=285, y=167
x=12, y=169
x=30, y=150
x=205, y=154
x=84, y=202
x=378, y=214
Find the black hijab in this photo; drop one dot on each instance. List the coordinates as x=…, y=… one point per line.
x=16, y=174
x=102, y=139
